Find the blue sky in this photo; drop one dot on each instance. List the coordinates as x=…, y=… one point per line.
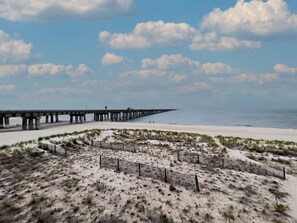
x=132, y=53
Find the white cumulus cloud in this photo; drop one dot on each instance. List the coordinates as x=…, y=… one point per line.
x=148, y=34
x=178, y=61
x=169, y=61
x=219, y=68
x=7, y=87
x=54, y=69
x=11, y=69
x=248, y=78
x=64, y=90
x=211, y=41
x=111, y=58
x=13, y=50
x=38, y=10
x=282, y=68
x=253, y=18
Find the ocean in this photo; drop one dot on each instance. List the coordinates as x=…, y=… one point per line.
x=273, y=118
x=269, y=118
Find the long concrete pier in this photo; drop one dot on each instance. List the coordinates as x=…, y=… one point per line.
x=31, y=118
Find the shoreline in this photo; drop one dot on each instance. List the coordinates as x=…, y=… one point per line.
x=8, y=137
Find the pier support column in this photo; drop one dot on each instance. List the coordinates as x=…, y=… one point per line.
x=31, y=125
x=1, y=122
x=71, y=118
x=52, y=118
x=57, y=118
x=37, y=123
x=24, y=123
x=6, y=121
x=46, y=119
x=85, y=117
x=76, y=119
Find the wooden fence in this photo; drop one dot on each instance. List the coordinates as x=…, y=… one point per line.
x=209, y=160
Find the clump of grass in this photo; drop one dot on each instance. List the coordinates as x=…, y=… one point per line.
x=172, y=186
x=69, y=184
x=228, y=214
x=3, y=154
x=100, y=186
x=282, y=161
x=36, y=199
x=278, y=207
x=10, y=206
x=45, y=216
x=75, y=209
x=88, y=200
x=4, y=147
x=278, y=194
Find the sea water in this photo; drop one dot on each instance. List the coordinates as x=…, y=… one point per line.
x=269, y=118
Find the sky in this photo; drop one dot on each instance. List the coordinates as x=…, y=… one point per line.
x=73, y=54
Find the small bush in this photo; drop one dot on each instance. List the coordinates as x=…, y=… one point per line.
x=172, y=186
x=88, y=200
x=280, y=208
x=4, y=147
x=229, y=214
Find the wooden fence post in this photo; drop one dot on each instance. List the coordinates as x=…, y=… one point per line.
x=178, y=159
x=198, y=159
x=284, y=170
x=197, y=184
x=139, y=170
x=65, y=152
x=100, y=161
x=55, y=149
x=118, y=165
x=165, y=176
x=222, y=162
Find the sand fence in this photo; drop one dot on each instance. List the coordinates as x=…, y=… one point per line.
x=232, y=164
x=52, y=148
x=206, y=160
x=189, y=181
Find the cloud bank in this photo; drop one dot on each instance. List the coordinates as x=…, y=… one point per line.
x=46, y=10
x=254, y=18
x=148, y=34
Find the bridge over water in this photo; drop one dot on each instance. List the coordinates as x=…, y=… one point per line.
x=31, y=118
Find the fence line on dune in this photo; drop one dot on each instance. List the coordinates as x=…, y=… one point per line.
x=232, y=164
x=189, y=181
x=53, y=148
x=206, y=160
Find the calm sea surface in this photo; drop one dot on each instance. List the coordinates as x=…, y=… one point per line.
x=275, y=118
x=278, y=118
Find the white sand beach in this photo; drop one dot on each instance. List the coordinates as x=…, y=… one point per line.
x=11, y=136
x=83, y=165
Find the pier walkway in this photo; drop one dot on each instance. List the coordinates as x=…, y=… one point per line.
x=31, y=118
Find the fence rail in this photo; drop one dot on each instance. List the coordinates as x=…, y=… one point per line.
x=209, y=160
x=189, y=181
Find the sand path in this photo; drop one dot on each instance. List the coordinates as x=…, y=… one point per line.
x=290, y=186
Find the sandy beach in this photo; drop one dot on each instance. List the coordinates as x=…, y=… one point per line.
x=11, y=136
x=77, y=188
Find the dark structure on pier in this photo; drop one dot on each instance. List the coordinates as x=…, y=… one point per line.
x=31, y=118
